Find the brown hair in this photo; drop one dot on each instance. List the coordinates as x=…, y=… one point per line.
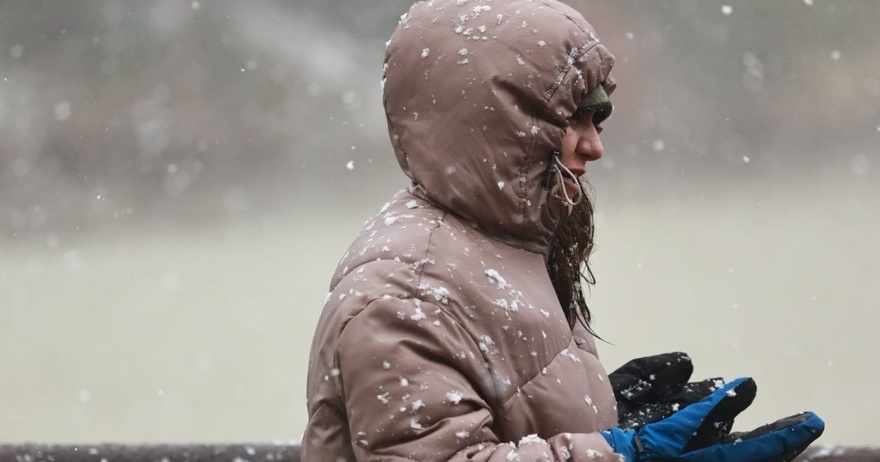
x=568, y=263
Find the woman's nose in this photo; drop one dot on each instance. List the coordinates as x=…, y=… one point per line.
x=589, y=146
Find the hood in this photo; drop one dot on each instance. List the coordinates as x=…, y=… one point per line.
x=477, y=94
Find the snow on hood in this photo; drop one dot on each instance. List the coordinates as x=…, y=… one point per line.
x=477, y=94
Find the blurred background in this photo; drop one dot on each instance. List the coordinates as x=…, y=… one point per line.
x=178, y=180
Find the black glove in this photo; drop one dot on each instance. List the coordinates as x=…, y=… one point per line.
x=654, y=387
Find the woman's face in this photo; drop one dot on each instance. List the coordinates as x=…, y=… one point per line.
x=580, y=145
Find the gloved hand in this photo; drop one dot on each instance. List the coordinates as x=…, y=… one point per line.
x=651, y=388
x=692, y=434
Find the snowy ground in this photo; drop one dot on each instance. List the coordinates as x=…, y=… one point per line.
x=203, y=335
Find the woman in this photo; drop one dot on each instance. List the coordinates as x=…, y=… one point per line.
x=456, y=328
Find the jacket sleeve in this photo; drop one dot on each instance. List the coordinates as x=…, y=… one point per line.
x=416, y=387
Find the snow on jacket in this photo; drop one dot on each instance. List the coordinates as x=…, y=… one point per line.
x=442, y=337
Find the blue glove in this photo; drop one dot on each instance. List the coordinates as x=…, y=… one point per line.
x=695, y=433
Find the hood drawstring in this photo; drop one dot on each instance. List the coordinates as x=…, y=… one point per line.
x=551, y=171
x=559, y=169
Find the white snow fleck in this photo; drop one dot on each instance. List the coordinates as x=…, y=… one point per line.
x=440, y=294
x=808, y=2
x=463, y=434
x=404, y=382
x=419, y=315
x=545, y=313
x=463, y=52
x=486, y=343
x=746, y=159
x=531, y=439
x=658, y=145
x=564, y=452
x=385, y=398
x=726, y=10
x=496, y=278
x=389, y=220
x=520, y=61
x=630, y=36
x=417, y=404
x=418, y=265
x=731, y=393
x=542, y=43
x=589, y=400
x=62, y=111
x=835, y=55
x=521, y=134
x=454, y=397
x=425, y=52
x=386, y=365
x=570, y=355
x=500, y=185
x=412, y=204
x=415, y=425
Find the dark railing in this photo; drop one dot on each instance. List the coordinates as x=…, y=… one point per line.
x=278, y=453
x=149, y=452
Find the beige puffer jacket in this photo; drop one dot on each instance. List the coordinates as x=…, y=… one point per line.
x=442, y=337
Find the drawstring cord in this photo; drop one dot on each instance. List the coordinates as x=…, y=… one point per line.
x=560, y=168
x=552, y=170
